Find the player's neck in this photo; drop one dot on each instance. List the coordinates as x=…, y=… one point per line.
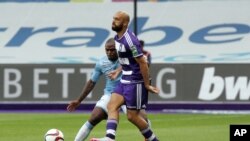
x=121, y=33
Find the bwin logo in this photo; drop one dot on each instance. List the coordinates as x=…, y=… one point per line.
x=212, y=86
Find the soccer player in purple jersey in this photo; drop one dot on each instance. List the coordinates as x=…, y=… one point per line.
x=132, y=90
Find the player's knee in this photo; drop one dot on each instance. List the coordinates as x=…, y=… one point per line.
x=95, y=120
x=131, y=117
x=143, y=115
x=112, y=107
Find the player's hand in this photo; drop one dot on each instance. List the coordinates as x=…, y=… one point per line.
x=113, y=74
x=73, y=105
x=153, y=89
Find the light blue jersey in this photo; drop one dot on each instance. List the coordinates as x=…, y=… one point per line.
x=104, y=66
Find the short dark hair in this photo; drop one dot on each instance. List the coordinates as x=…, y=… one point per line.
x=110, y=41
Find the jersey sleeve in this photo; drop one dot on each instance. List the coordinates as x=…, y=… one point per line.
x=96, y=73
x=136, y=49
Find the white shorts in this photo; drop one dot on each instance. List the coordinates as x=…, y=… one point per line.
x=103, y=103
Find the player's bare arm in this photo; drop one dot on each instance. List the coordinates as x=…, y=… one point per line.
x=85, y=92
x=145, y=74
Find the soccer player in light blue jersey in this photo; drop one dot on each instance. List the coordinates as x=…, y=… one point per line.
x=105, y=66
x=133, y=88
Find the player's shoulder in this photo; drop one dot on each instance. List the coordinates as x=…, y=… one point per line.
x=131, y=39
x=130, y=36
x=102, y=59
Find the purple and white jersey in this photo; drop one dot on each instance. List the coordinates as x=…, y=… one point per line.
x=129, y=48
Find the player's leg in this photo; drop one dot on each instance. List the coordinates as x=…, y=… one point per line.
x=96, y=117
x=113, y=115
x=143, y=113
x=135, y=103
x=98, y=114
x=135, y=118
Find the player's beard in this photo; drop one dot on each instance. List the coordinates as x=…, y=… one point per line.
x=117, y=28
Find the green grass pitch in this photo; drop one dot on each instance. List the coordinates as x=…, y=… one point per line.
x=168, y=127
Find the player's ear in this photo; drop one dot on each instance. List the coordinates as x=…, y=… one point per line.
x=125, y=24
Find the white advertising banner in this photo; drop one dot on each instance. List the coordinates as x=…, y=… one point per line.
x=175, y=32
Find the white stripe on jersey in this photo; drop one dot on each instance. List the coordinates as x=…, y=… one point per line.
x=127, y=72
x=125, y=81
x=129, y=82
x=128, y=39
x=119, y=47
x=124, y=61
